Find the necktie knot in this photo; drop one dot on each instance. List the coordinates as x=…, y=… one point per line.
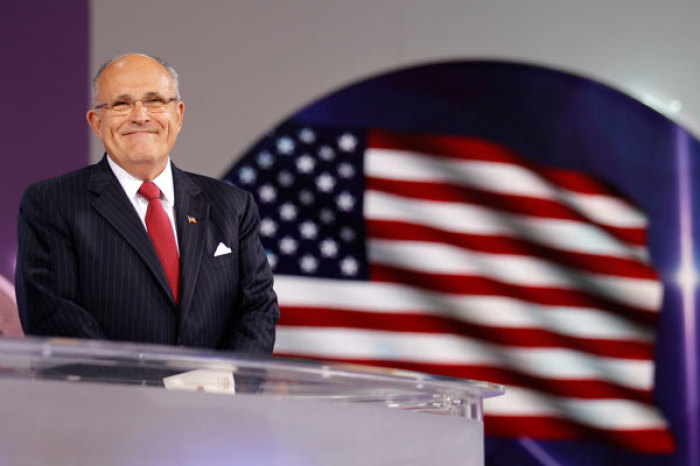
x=149, y=190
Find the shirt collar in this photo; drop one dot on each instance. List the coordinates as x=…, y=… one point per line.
x=131, y=184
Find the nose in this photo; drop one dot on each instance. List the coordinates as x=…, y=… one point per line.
x=139, y=112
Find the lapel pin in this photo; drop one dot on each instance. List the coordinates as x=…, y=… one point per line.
x=191, y=219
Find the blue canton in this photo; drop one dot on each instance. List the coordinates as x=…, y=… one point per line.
x=308, y=184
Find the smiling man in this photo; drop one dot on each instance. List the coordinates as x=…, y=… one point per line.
x=134, y=249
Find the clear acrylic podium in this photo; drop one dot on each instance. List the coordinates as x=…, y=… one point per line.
x=73, y=402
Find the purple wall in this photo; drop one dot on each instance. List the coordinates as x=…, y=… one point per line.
x=44, y=51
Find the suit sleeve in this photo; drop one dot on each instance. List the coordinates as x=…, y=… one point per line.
x=256, y=314
x=47, y=282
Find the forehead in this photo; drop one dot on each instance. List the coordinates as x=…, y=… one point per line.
x=134, y=76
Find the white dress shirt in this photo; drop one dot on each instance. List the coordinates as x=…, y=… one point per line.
x=131, y=186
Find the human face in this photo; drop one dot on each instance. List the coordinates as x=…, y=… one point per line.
x=139, y=142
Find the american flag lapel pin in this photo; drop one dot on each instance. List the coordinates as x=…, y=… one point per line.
x=191, y=219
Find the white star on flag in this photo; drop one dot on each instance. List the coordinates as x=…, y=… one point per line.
x=288, y=245
x=308, y=263
x=325, y=182
x=307, y=136
x=329, y=248
x=349, y=266
x=346, y=170
x=345, y=201
x=347, y=142
x=288, y=211
x=267, y=193
x=246, y=175
x=326, y=153
x=308, y=230
x=265, y=159
x=285, y=178
x=285, y=145
x=305, y=164
x=268, y=227
x=306, y=197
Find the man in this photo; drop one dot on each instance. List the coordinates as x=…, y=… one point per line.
x=103, y=254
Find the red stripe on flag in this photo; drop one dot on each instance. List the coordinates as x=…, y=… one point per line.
x=520, y=205
x=605, y=265
x=471, y=285
x=457, y=147
x=580, y=388
x=465, y=148
x=505, y=336
x=579, y=182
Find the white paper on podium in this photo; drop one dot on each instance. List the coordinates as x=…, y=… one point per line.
x=202, y=380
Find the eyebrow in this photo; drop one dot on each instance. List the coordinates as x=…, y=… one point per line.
x=145, y=96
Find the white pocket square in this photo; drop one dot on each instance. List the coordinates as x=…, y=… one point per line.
x=222, y=249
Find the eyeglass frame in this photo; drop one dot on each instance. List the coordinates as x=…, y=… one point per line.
x=110, y=105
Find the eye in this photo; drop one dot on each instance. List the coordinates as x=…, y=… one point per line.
x=154, y=101
x=121, y=104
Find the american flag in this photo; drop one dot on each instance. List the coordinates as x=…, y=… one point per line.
x=456, y=256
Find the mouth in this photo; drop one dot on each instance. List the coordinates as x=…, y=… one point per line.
x=139, y=132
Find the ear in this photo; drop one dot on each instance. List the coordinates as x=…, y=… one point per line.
x=180, y=110
x=93, y=119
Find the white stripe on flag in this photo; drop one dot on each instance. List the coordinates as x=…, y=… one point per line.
x=567, y=235
x=498, y=177
x=494, y=311
x=517, y=270
x=553, y=363
x=611, y=414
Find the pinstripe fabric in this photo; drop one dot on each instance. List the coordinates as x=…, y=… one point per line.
x=86, y=267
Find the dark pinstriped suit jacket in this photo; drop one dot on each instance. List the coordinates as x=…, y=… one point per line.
x=86, y=267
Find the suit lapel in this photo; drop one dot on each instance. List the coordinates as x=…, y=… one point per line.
x=112, y=204
x=192, y=218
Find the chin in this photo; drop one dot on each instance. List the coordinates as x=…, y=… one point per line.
x=146, y=154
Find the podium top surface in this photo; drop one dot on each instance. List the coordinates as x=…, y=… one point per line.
x=92, y=361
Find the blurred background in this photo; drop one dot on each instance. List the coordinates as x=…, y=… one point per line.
x=247, y=67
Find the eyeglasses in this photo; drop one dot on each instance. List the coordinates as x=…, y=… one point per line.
x=124, y=106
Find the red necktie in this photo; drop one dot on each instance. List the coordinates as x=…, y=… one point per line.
x=161, y=232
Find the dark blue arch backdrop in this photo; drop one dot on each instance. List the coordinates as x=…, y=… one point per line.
x=544, y=120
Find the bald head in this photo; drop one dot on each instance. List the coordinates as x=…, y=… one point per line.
x=163, y=63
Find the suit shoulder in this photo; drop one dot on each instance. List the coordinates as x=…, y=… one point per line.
x=59, y=185
x=217, y=188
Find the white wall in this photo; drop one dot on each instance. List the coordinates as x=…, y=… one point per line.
x=247, y=64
